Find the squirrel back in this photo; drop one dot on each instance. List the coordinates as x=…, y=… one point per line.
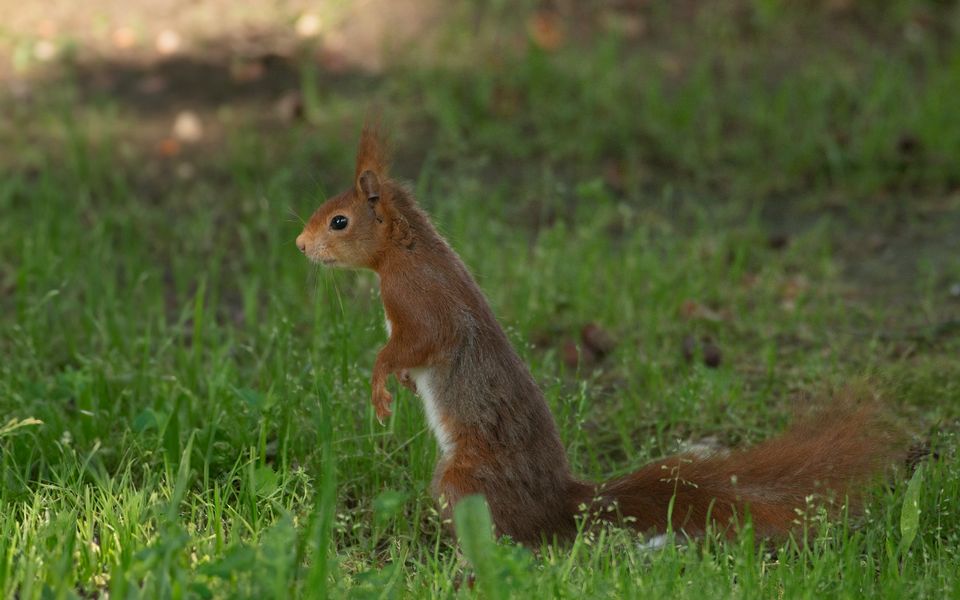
x=496, y=433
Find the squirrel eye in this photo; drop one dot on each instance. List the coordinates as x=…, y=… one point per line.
x=339, y=222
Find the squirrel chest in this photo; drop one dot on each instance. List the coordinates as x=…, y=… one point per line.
x=424, y=379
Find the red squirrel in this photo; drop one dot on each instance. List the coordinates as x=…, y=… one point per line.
x=496, y=434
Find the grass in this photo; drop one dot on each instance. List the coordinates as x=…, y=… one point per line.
x=186, y=399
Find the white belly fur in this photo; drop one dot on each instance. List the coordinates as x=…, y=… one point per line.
x=423, y=377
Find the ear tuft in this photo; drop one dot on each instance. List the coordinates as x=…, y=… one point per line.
x=371, y=157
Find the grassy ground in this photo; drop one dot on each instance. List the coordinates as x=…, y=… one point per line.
x=186, y=399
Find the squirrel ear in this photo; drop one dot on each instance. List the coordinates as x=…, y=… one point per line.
x=368, y=184
x=371, y=162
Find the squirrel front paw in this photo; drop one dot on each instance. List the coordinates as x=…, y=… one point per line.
x=381, y=403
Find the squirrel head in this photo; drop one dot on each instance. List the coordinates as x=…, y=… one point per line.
x=357, y=227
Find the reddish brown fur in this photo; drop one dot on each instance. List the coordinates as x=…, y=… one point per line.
x=503, y=441
x=372, y=153
x=823, y=456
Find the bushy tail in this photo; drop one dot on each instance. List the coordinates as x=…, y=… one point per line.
x=830, y=455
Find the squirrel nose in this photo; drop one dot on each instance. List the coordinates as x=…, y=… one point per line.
x=302, y=243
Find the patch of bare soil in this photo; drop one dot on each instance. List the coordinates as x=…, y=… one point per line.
x=180, y=73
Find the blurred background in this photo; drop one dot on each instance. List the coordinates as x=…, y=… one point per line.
x=788, y=108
